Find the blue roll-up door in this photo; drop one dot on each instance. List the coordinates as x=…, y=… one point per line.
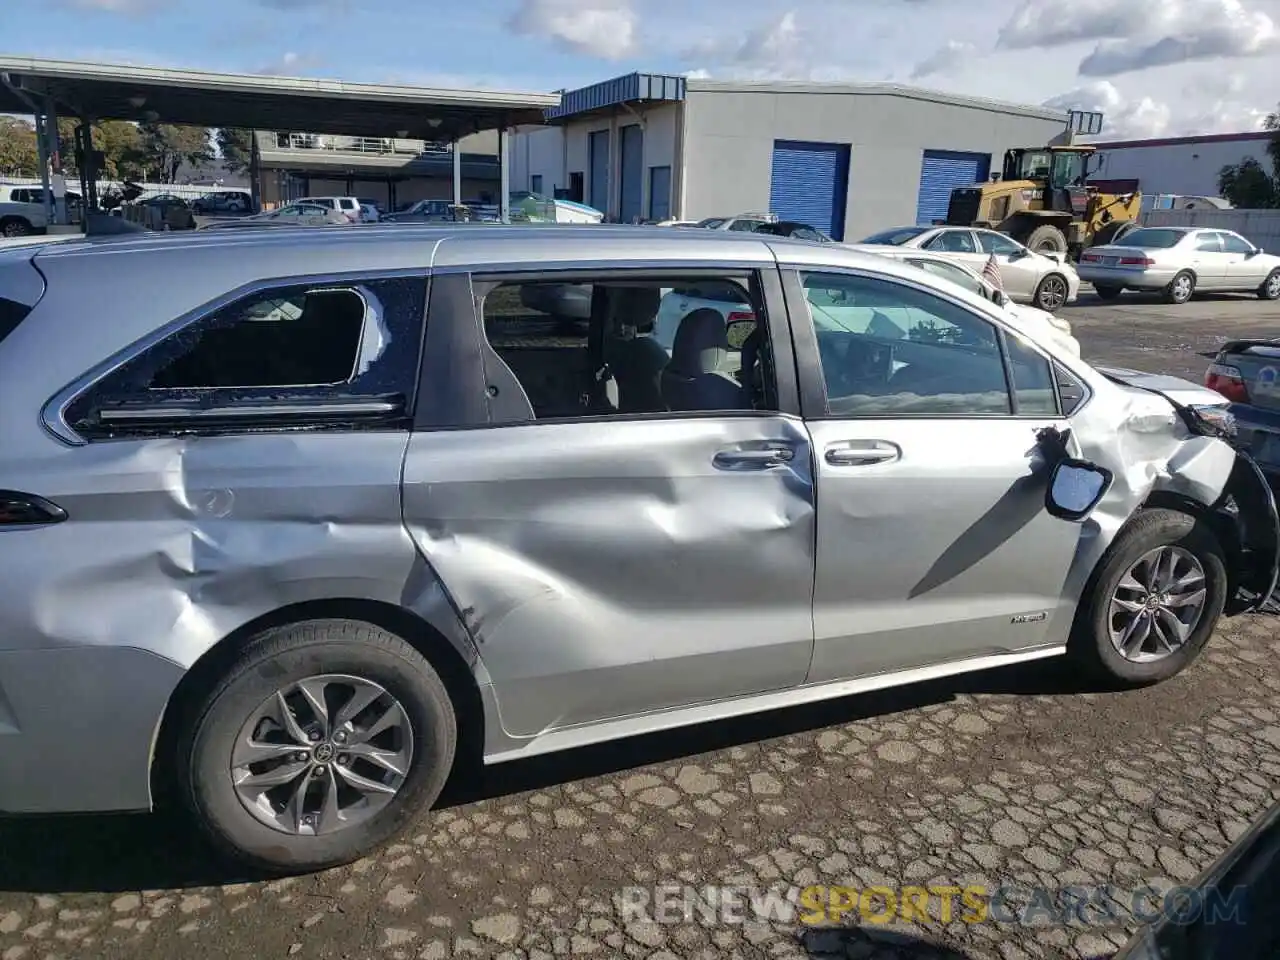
x=631, y=149
x=598, y=155
x=940, y=173
x=810, y=184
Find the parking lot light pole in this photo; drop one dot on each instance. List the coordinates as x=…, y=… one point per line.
x=457, y=177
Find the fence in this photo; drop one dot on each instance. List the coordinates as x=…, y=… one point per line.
x=188, y=191
x=1259, y=227
x=377, y=146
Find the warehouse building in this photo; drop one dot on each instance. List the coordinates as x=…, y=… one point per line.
x=1181, y=166
x=847, y=158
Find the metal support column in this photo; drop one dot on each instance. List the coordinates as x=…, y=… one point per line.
x=90, y=168
x=53, y=148
x=457, y=175
x=504, y=174
x=42, y=157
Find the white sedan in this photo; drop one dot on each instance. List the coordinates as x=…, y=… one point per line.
x=1045, y=280
x=1178, y=261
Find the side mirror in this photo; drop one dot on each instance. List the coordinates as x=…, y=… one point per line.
x=1256, y=252
x=1019, y=254
x=1075, y=488
x=999, y=298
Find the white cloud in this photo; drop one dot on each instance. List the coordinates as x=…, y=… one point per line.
x=1143, y=116
x=947, y=58
x=1141, y=34
x=600, y=28
x=786, y=48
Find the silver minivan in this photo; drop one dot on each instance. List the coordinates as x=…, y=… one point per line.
x=296, y=521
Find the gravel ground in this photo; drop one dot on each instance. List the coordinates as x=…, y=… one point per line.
x=1012, y=777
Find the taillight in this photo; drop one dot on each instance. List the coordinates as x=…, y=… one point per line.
x=1226, y=380
x=1090, y=258
x=738, y=316
x=1136, y=262
x=24, y=510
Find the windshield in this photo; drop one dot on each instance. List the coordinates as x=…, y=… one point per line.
x=1152, y=238
x=897, y=236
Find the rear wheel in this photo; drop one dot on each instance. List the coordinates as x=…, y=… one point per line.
x=322, y=741
x=1051, y=293
x=1154, y=600
x=14, y=227
x=1108, y=293
x=1046, y=238
x=1180, y=288
x=1270, y=289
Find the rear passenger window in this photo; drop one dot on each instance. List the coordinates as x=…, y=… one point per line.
x=11, y=314
x=1071, y=389
x=618, y=346
x=353, y=339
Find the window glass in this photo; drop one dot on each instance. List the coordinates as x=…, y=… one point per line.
x=949, y=271
x=744, y=225
x=996, y=243
x=895, y=237
x=888, y=349
x=1033, y=380
x=1209, y=242
x=953, y=241
x=1071, y=389
x=618, y=346
x=1153, y=238
x=1234, y=244
x=350, y=339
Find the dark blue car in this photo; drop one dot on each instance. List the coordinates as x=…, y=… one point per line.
x=1247, y=372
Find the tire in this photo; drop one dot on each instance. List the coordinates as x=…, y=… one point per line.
x=1270, y=289
x=274, y=661
x=1091, y=642
x=1051, y=293
x=15, y=227
x=1108, y=293
x=1046, y=238
x=1180, y=288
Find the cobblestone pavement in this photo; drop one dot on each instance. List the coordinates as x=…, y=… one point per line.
x=1011, y=777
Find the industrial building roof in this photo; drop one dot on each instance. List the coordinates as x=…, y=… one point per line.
x=123, y=92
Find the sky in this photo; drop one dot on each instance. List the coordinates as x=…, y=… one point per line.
x=1156, y=68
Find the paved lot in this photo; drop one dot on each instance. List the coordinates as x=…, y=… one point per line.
x=1008, y=778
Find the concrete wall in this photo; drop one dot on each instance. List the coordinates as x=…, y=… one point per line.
x=1190, y=169
x=555, y=152
x=729, y=135
x=1259, y=227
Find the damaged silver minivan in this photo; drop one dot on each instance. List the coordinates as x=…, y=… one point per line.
x=294, y=522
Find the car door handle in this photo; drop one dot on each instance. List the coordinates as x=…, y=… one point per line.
x=758, y=458
x=859, y=453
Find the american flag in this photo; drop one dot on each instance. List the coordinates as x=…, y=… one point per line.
x=992, y=272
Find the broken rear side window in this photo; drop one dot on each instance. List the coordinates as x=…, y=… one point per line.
x=11, y=314
x=349, y=339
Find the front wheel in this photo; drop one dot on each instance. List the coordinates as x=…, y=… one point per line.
x=1180, y=288
x=1270, y=289
x=1051, y=293
x=1154, y=600
x=322, y=742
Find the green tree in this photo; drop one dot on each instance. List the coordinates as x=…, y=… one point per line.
x=236, y=147
x=18, y=154
x=117, y=139
x=165, y=147
x=1248, y=184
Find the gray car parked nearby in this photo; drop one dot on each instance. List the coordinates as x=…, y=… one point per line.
x=297, y=521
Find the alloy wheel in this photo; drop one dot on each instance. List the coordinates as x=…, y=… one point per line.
x=1053, y=293
x=1157, y=604
x=1273, y=286
x=1182, y=287
x=322, y=754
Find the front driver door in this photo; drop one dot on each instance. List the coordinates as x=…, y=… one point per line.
x=933, y=542
x=1019, y=268
x=610, y=565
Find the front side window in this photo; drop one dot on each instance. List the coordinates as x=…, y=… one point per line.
x=888, y=349
x=997, y=243
x=622, y=346
x=305, y=342
x=952, y=241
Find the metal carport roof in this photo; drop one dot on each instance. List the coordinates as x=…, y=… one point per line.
x=101, y=91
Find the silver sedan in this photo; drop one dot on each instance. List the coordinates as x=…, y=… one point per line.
x=1045, y=280
x=1178, y=261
